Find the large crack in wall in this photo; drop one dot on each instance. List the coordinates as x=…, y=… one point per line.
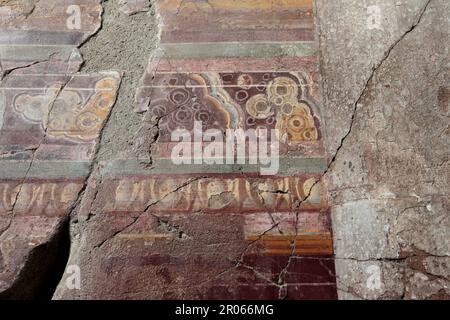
x=124, y=43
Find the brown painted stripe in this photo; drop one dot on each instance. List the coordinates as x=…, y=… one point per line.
x=237, y=21
x=290, y=238
x=249, y=35
x=211, y=5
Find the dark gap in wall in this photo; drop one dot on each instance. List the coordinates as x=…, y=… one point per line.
x=43, y=270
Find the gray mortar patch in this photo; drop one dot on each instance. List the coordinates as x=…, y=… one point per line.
x=125, y=44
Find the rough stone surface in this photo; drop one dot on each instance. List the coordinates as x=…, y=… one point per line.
x=389, y=180
x=358, y=210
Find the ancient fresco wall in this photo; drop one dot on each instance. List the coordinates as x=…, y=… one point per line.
x=221, y=230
